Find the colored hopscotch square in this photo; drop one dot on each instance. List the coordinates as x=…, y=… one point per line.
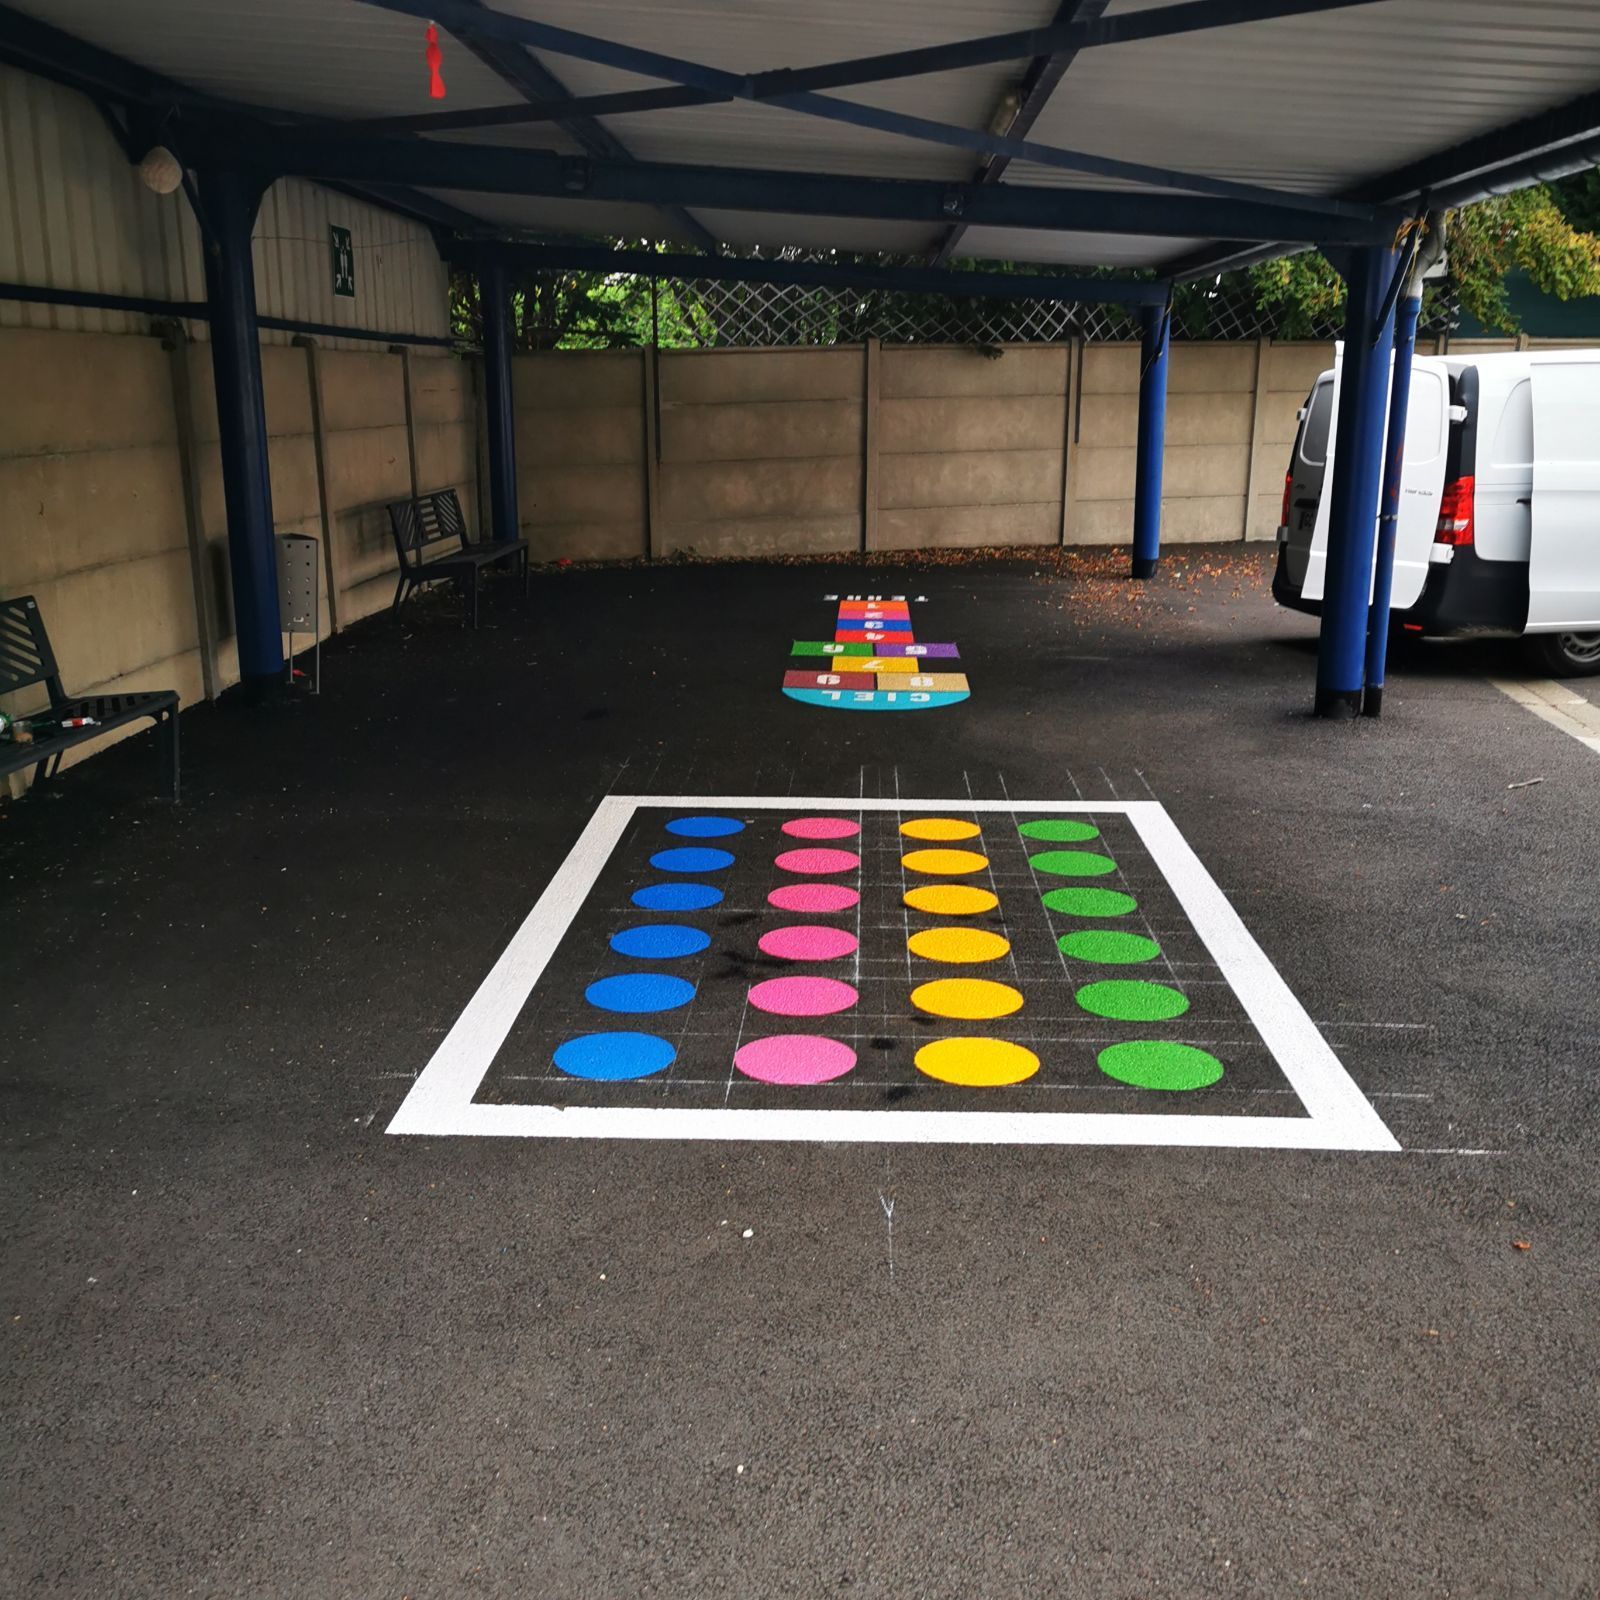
x=664, y=902
x=939, y=682
x=823, y=647
x=829, y=680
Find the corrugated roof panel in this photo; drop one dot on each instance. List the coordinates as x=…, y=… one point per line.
x=579, y=218
x=756, y=35
x=1317, y=103
x=324, y=57
x=1312, y=103
x=1067, y=249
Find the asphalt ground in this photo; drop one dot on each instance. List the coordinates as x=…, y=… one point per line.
x=255, y=1346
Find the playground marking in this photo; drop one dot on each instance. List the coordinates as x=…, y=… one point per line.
x=443, y=1100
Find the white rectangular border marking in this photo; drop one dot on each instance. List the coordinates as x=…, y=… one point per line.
x=1339, y=1117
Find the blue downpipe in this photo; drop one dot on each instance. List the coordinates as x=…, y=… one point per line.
x=1407, y=309
x=495, y=298
x=1357, y=475
x=229, y=201
x=1152, y=440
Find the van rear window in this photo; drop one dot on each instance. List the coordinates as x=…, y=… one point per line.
x=1314, y=435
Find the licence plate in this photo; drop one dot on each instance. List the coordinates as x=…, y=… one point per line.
x=1308, y=519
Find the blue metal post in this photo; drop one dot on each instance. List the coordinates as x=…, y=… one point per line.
x=1152, y=440
x=229, y=200
x=1357, y=470
x=495, y=298
x=1407, y=308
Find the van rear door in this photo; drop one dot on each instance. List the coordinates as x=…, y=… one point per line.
x=1421, y=484
x=1564, y=563
x=1307, y=473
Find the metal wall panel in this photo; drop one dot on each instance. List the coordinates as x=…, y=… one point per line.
x=74, y=215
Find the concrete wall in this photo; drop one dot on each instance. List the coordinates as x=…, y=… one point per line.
x=581, y=453
x=92, y=511
x=970, y=450
x=111, y=502
x=771, y=452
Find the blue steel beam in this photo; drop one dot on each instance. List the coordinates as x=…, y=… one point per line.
x=1154, y=347
x=1378, y=620
x=523, y=115
x=1159, y=22
x=498, y=170
x=1550, y=144
x=1566, y=138
x=230, y=199
x=1038, y=84
x=534, y=81
x=468, y=17
x=1357, y=473
x=494, y=297
x=913, y=280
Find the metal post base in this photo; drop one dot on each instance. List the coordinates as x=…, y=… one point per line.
x=1337, y=703
x=1145, y=568
x=1372, y=705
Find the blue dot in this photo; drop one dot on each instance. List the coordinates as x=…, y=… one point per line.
x=610, y=1057
x=660, y=941
x=704, y=827
x=676, y=896
x=639, y=991
x=689, y=859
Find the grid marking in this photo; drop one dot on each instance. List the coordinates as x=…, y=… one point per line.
x=1338, y=1116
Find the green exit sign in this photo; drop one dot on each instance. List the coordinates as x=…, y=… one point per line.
x=344, y=262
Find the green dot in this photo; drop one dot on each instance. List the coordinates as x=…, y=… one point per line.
x=1159, y=1064
x=1129, y=1000
x=1059, y=831
x=1103, y=944
x=1089, y=902
x=1072, y=863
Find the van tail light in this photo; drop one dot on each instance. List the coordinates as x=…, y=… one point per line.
x=1288, y=485
x=1455, y=512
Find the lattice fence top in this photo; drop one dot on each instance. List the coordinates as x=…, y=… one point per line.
x=721, y=314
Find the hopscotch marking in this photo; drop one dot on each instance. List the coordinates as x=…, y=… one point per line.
x=1339, y=1116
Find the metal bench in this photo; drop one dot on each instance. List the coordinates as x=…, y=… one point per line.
x=430, y=537
x=26, y=659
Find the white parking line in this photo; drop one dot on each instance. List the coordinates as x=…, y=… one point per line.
x=1557, y=705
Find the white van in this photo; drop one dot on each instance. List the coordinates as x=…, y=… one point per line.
x=1499, y=528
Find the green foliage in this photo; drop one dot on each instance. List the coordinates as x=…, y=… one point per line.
x=1297, y=295
x=1551, y=232
x=1530, y=230
x=585, y=311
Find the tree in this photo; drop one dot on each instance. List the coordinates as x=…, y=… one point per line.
x=1551, y=231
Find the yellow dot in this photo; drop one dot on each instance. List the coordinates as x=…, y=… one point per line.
x=939, y=828
x=958, y=945
x=970, y=999
x=944, y=863
x=950, y=899
x=977, y=1063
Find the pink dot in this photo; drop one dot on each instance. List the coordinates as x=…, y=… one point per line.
x=813, y=861
x=812, y=941
x=813, y=897
x=802, y=997
x=821, y=828
x=794, y=1058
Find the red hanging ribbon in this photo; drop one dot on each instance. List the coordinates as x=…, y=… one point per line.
x=434, y=56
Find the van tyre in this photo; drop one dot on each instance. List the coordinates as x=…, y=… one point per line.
x=1567, y=655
